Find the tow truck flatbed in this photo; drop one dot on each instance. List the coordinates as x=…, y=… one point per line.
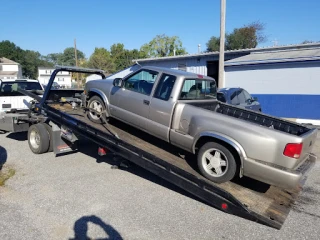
x=250, y=199
x=63, y=122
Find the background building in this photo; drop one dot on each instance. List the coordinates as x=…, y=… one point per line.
x=9, y=69
x=62, y=78
x=286, y=79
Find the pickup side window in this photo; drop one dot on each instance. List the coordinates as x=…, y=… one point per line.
x=198, y=89
x=164, y=87
x=141, y=82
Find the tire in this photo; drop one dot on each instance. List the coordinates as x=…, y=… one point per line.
x=101, y=107
x=49, y=130
x=227, y=163
x=38, y=138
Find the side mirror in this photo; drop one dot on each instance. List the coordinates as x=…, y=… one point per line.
x=117, y=82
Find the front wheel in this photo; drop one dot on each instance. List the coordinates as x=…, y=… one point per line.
x=216, y=162
x=97, y=105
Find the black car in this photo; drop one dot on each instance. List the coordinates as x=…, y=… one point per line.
x=239, y=97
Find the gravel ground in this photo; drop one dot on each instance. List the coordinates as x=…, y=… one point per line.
x=79, y=195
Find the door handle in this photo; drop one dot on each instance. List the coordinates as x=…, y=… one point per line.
x=146, y=102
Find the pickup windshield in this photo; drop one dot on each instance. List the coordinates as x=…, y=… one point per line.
x=11, y=88
x=198, y=89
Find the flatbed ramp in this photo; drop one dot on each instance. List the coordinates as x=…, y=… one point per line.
x=246, y=198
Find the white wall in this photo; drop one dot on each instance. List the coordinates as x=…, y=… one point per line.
x=62, y=78
x=293, y=78
x=9, y=67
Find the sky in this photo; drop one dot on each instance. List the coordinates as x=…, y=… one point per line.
x=49, y=26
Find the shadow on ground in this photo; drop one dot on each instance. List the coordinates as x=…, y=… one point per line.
x=18, y=136
x=81, y=228
x=3, y=156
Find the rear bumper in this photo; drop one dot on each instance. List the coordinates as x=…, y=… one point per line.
x=281, y=177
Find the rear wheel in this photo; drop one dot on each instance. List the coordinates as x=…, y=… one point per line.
x=49, y=130
x=95, y=103
x=216, y=162
x=38, y=138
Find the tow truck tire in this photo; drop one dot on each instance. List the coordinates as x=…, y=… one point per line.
x=216, y=162
x=99, y=105
x=38, y=138
x=49, y=130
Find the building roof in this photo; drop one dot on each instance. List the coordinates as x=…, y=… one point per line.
x=8, y=73
x=278, y=56
x=4, y=60
x=237, y=51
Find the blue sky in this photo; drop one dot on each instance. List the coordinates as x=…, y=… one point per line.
x=51, y=26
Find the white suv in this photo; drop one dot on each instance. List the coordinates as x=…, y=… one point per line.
x=11, y=99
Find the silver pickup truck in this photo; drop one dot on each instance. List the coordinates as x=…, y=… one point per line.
x=228, y=141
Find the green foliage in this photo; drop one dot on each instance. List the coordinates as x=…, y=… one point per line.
x=122, y=57
x=101, y=59
x=28, y=59
x=308, y=41
x=67, y=58
x=248, y=36
x=213, y=44
x=5, y=174
x=162, y=46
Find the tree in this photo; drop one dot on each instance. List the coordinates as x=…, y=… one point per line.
x=162, y=46
x=213, y=44
x=101, y=59
x=122, y=57
x=10, y=50
x=28, y=59
x=308, y=41
x=249, y=36
x=68, y=57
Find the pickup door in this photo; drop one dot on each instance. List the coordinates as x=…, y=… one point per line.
x=144, y=102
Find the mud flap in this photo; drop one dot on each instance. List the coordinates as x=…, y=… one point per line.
x=64, y=141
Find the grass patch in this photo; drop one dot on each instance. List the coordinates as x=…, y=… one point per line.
x=5, y=174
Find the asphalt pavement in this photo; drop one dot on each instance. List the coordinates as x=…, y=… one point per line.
x=79, y=196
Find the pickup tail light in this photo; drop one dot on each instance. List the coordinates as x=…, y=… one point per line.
x=293, y=150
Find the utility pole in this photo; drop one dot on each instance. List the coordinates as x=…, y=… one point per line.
x=221, y=81
x=75, y=53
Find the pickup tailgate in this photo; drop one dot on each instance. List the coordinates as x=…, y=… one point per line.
x=14, y=102
x=308, y=140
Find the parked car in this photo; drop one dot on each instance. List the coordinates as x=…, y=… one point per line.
x=11, y=99
x=55, y=85
x=181, y=108
x=240, y=97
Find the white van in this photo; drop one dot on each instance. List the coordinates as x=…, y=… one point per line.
x=11, y=99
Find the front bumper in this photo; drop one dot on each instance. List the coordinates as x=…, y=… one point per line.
x=280, y=177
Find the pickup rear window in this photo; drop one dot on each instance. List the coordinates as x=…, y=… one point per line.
x=198, y=89
x=11, y=88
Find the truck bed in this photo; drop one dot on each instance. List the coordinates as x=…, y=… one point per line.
x=254, y=117
x=268, y=201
